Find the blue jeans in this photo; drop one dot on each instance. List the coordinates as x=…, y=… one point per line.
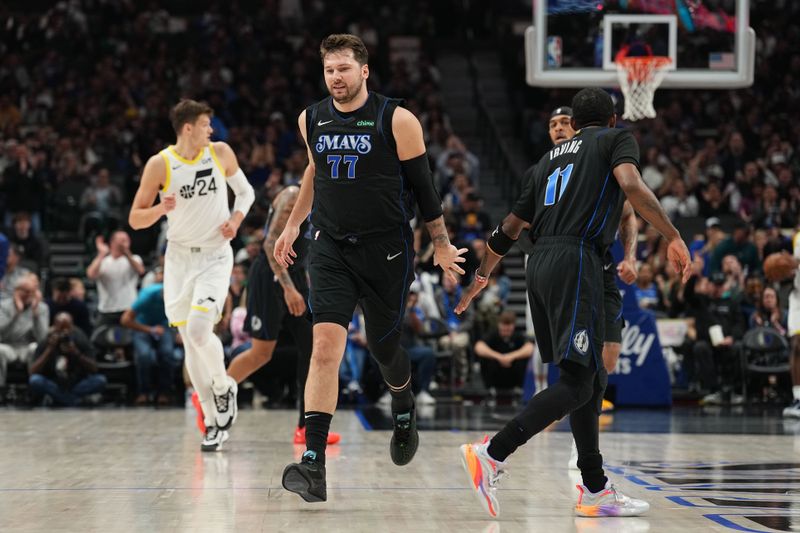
x=425, y=360
x=41, y=386
x=148, y=353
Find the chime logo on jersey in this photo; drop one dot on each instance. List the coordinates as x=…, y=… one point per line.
x=360, y=143
x=581, y=341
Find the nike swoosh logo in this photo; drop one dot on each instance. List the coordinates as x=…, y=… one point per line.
x=320, y=123
x=390, y=257
x=608, y=266
x=176, y=168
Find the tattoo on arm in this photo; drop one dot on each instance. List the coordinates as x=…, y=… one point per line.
x=628, y=232
x=438, y=232
x=283, y=208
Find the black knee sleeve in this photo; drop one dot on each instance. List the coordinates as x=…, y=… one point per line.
x=579, y=380
x=392, y=359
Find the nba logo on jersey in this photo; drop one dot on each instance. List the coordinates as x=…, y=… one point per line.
x=581, y=341
x=554, y=51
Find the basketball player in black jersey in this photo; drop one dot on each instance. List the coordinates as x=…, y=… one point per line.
x=573, y=207
x=367, y=166
x=276, y=299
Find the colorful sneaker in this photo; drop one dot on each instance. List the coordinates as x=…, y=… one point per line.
x=200, y=420
x=212, y=442
x=484, y=473
x=306, y=478
x=573, y=457
x=793, y=411
x=225, y=405
x=608, y=502
x=300, y=436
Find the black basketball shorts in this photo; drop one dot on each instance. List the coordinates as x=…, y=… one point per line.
x=612, y=301
x=375, y=273
x=565, y=288
x=266, y=307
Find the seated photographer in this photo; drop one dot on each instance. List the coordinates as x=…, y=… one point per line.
x=504, y=355
x=63, y=368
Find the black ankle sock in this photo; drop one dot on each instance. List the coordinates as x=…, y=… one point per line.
x=507, y=440
x=402, y=401
x=591, y=467
x=301, y=420
x=317, y=426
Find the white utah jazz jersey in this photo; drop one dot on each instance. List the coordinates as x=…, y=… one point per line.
x=202, y=198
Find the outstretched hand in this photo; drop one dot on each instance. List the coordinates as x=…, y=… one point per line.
x=447, y=258
x=467, y=296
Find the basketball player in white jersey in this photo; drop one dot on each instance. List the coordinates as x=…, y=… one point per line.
x=190, y=178
x=793, y=410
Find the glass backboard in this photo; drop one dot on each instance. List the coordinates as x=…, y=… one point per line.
x=574, y=43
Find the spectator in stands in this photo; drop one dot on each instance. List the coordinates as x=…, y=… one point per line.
x=32, y=248
x=734, y=274
x=24, y=319
x=712, y=202
x=64, y=370
x=116, y=271
x=77, y=289
x=151, y=275
x=720, y=326
x=703, y=246
x=249, y=253
x=473, y=222
x=775, y=242
x=671, y=289
x=647, y=293
x=504, y=356
x=101, y=202
x=456, y=158
x=62, y=301
x=456, y=192
x=738, y=245
x=679, y=203
x=14, y=272
x=153, y=344
x=769, y=313
x=422, y=356
x=24, y=186
x=459, y=327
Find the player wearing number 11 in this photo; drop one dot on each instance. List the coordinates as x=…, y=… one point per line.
x=192, y=178
x=367, y=165
x=572, y=204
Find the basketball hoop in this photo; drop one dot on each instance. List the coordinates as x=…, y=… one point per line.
x=639, y=77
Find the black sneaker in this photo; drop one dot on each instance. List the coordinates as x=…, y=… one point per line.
x=306, y=478
x=405, y=438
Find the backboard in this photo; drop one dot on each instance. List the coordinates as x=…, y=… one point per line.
x=573, y=43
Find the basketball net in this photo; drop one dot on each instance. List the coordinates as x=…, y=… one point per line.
x=639, y=77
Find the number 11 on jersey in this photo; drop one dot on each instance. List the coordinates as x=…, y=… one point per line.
x=550, y=197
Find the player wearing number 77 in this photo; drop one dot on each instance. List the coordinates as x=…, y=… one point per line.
x=572, y=203
x=366, y=166
x=191, y=179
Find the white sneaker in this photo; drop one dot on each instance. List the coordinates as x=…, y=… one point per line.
x=793, y=411
x=386, y=399
x=608, y=502
x=715, y=398
x=425, y=398
x=225, y=405
x=573, y=457
x=484, y=473
x=213, y=439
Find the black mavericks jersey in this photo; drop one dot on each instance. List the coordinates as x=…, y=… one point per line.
x=572, y=192
x=359, y=189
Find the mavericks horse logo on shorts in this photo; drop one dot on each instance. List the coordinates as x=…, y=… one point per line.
x=255, y=323
x=581, y=341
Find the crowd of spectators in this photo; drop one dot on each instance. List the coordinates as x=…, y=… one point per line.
x=85, y=91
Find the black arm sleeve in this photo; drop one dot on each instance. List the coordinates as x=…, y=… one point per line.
x=418, y=172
